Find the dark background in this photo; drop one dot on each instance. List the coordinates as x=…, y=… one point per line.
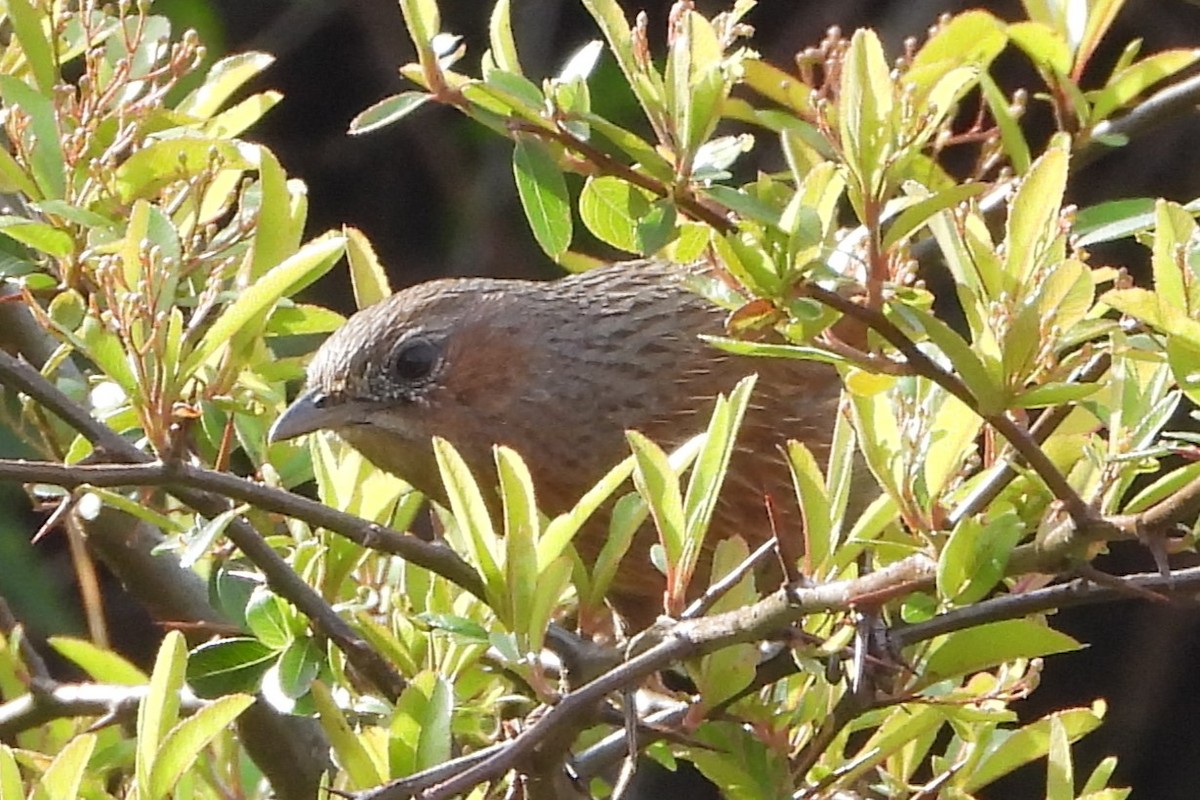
x=434, y=194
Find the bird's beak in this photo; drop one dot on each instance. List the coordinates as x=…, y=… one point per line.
x=306, y=414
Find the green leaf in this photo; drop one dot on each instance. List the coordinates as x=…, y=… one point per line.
x=228, y=665
x=500, y=38
x=367, y=275
x=1100, y=16
x=11, y=787
x=461, y=627
x=302, y=319
x=731, y=755
x=865, y=106
x=815, y=507
x=625, y=216
x=989, y=396
x=164, y=162
x=543, y=193
x=387, y=111
x=1033, y=220
x=746, y=347
x=1112, y=220
x=633, y=146
x=267, y=615
x=1054, y=394
x=629, y=513
x=48, y=239
x=1060, y=774
x=708, y=471
x=1174, y=229
x=1030, y=743
x=658, y=485
x=1183, y=355
x=916, y=215
x=183, y=743
x=200, y=542
x=280, y=222
x=423, y=20
x=987, y=646
x=297, y=667
x=562, y=529
x=1012, y=135
x=420, y=729
x=745, y=205
x=1132, y=81
x=224, y=78
x=1143, y=305
x=726, y=672
x=521, y=530
x=1046, y=48
x=694, y=81
x=234, y=121
x=352, y=754
x=64, y=776
x=471, y=513
x=646, y=84
x=309, y=263
x=777, y=85
x=899, y=731
x=973, y=37
x=46, y=158
x=159, y=709
x=1100, y=777
x=548, y=591
x=30, y=30
x=102, y=666
x=13, y=177
x=973, y=560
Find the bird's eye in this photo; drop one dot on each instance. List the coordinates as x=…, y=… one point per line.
x=414, y=361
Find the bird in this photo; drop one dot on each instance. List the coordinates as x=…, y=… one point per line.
x=559, y=370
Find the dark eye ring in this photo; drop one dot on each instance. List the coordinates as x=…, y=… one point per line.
x=414, y=361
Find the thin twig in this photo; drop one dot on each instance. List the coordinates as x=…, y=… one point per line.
x=701, y=605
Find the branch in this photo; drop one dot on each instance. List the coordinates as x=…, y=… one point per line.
x=111, y=703
x=1181, y=583
x=434, y=556
x=1164, y=105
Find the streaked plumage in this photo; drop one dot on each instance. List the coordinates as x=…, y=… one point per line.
x=558, y=371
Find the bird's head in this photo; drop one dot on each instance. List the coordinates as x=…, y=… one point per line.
x=429, y=361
